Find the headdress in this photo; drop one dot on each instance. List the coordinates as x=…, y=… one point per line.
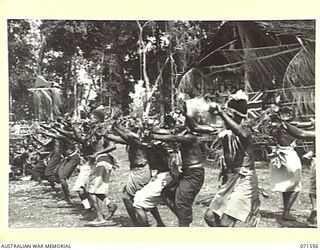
x=238, y=103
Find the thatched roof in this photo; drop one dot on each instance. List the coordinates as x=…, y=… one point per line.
x=46, y=98
x=41, y=82
x=301, y=28
x=259, y=55
x=261, y=49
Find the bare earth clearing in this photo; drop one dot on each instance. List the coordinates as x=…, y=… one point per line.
x=35, y=206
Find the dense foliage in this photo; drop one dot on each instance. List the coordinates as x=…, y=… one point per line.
x=107, y=58
x=136, y=65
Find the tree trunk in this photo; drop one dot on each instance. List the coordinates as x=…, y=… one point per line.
x=110, y=89
x=75, y=96
x=246, y=79
x=172, y=86
x=161, y=91
x=10, y=105
x=161, y=84
x=75, y=103
x=143, y=50
x=51, y=110
x=41, y=53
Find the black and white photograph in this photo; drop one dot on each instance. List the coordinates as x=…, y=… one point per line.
x=161, y=123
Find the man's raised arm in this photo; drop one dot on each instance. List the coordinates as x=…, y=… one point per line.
x=299, y=133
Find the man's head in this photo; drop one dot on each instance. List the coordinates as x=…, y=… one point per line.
x=67, y=116
x=275, y=113
x=237, y=106
x=286, y=113
x=97, y=116
x=132, y=125
x=85, y=126
x=169, y=122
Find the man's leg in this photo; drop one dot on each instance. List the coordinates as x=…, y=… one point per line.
x=168, y=196
x=65, y=189
x=142, y=217
x=183, y=204
x=288, y=200
x=111, y=210
x=128, y=203
x=95, y=203
x=84, y=198
x=313, y=215
x=212, y=219
x=155, y=212
x=184, y=224
x=227, y=221
x=170, y=203
x=313, y=200
x=313, y=194
x=148, y=197
x=110, y=207
x=53, y=186
x=186, y=192
x=35, y=173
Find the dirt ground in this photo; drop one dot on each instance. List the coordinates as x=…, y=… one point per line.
x=35, y=206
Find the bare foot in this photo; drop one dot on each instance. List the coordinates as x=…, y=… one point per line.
x=68, y=200
x=288, y=217
x=100, y=223
x=112, y=210
x=161, y=225
x=313, y=217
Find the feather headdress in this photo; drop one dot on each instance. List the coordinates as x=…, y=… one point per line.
x=238, y=103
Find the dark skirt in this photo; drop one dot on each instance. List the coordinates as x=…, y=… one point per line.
x=52, y=164
x=185, y=191
x=67, y=166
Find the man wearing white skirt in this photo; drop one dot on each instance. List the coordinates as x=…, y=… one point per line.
x=285, y=165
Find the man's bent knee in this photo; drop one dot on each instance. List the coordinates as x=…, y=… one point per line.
x=209, y=218
x=184, y=223
x=126, y=196
x=312, y=196
x=141, y=217
x=227, y=221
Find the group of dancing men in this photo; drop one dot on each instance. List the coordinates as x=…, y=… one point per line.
x=166, y=164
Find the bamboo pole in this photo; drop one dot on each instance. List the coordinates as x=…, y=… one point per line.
x=282, y=89
x=260, y=48
x=172, y=85
x=75, y=101
x=110, y=89
x=35, y=89
x=256, y=59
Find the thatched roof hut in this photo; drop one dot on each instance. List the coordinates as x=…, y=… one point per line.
x=46, y=98
x=257, y=56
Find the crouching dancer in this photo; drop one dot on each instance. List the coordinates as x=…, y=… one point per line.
x=60, y=167
x=181, y=196
x=237, y=197
x=149, y=196
x=139, y=174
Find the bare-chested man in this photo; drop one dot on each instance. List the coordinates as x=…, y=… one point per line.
x=60, y=172
x=147, y=197
x=102, y=163
x=46, y=153
x=285, y=164
x=237, y=197
x=139, y=169
x=181, y=196
x=309, y=135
